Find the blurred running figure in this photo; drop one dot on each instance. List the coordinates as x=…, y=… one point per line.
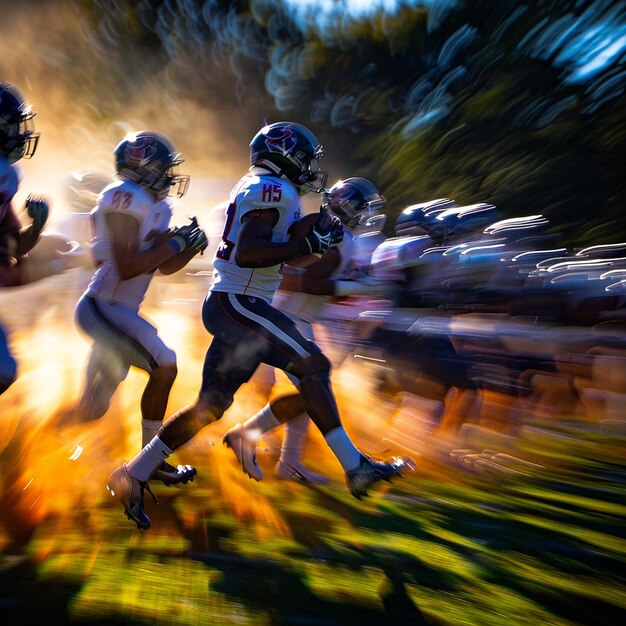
x=303, y=293
x=247, y=330
x=132, y=239
x=19, y=141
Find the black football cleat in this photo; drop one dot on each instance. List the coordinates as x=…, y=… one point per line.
x=370, y=471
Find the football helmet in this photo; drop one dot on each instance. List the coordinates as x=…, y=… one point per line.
x=421, y=219
x=290, y=151
x=526, y=229
x=17, y=137
x=148, y=158
x=468, y=221
x=354, y=198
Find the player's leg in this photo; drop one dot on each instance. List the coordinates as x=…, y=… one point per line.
x=137, y=343
x=228, y=364
x=104, y=372
x=286, y=348
x=290, y=466
x=289, y=410
x=319, y=401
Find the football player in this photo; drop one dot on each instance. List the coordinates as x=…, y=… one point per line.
x=133, y=239
x=303, y=294
x=247, y=330
x=18, y=140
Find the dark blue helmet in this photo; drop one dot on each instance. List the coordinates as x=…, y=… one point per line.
x=291, y=151
x=17, y=137
x=468, y=220
x=148, y=158
x=421, y=219
x=354, y=197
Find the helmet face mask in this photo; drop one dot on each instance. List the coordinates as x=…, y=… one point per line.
x=149, y=159
x=354, y=200
x=291, y=151
x=18, y=139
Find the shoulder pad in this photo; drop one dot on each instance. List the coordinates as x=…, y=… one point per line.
x=125, y=197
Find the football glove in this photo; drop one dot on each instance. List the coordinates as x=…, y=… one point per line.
x=336, y=231
x=202, y=241
x=190, y=236
x=322, y=235
x=37, y=209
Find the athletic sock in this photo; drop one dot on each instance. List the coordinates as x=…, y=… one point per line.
x=347, y=454
x=295, y=436
x=260, y=423
x=149, y=459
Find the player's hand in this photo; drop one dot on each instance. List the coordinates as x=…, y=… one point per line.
x=38, y=209
x=336, y=231
x=190, y=236
x=202, y=241
x=322, y=235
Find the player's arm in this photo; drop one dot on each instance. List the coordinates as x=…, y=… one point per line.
x=27, y=237
x=177, y=262
x=15, y=237
x=255, y=247
x=315, y=277
x=124, y=232
x=27, y=270
x=191, y=237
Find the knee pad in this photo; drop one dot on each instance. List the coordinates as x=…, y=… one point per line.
x=317, y=363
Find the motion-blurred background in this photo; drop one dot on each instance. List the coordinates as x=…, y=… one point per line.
x=517, y=104
x=516, y=416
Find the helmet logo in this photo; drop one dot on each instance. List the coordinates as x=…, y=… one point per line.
x=140, y=151
x=343, y=194
x=283, y=143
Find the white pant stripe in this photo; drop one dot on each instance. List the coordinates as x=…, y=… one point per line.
x=275, y=330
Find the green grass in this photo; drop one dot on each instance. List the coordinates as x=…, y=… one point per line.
x=449, y=545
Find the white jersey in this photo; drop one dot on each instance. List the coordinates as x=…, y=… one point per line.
x=308, y=307
x=256, y=190
x=153, y=219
